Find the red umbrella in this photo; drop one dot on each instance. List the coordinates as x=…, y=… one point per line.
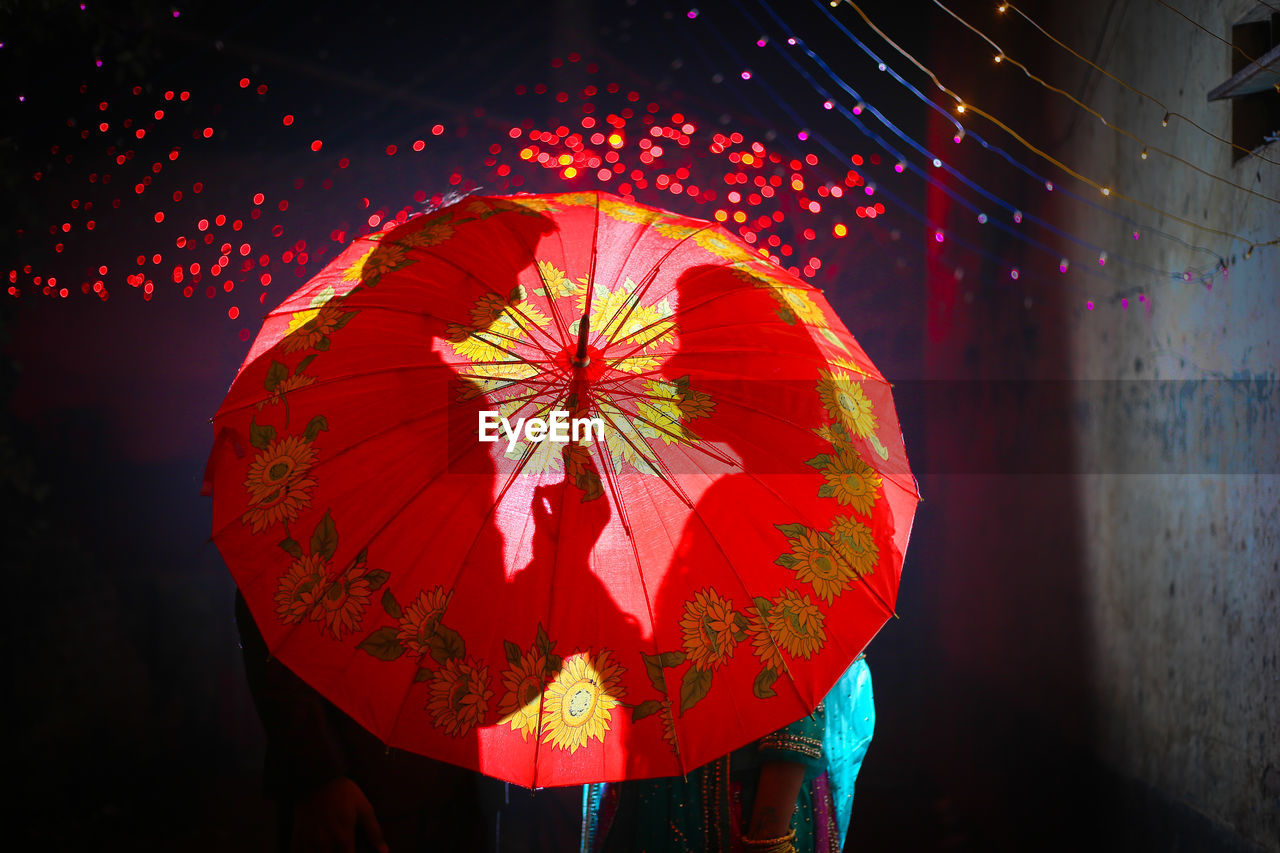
x=562, y=488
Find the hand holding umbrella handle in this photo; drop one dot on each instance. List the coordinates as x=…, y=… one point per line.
x=327, y=818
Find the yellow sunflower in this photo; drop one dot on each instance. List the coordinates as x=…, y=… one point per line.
x=377, y=262
x=762, y=644
x=341, y=605
x=626, y=322
x=524, y=682
x=856, y=544
x=816, y=561
x=278, y=483
x=578, y=703
x=853, y=482
x=293, y=383
x=557, y=284
x=847, y=402
x=707, y=629
x=432, y=233
x=307, y=327
x=418, y=621
x=721, y=245
x=796, y=624
x=458, y=696
x=801, y=304
x=675, y=231
x=299, y=588
x=624, y=212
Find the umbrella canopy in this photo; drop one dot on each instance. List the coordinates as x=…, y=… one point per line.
x=562, y=488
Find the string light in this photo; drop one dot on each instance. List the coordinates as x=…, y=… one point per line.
x=937, y=163
x=988, y=146
x=1082, y=105
x=1149, y=97
x=1045, y=155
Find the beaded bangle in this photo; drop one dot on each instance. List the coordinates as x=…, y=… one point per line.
x=783, y=844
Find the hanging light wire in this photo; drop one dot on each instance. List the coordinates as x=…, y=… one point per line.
x=1044, y=155
x=1169, y=113
x=941, y=163
x=1229, y=44
x=990, y=146
x=1148, y=146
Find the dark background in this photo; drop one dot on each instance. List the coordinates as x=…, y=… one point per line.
x=132, y=724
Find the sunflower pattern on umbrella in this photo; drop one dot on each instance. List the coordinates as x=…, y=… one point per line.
x=508, y=349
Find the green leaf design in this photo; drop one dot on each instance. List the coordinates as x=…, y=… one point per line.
x=260, y=436
x=787, y=315
x=670, y=659
x=763, y=687
x=322, y=344
x=792, y=531
x=826, y=490
x=291, y=547
x=324, y=541
x=392, y=606
x=344, y=320
x=304, y=364
x=653, y=666
x=787, y=561
x=542, y=642
x=314, y=426
x=377, y=578
x=695, y=687
x=423, y=674
x=821, y=461
x=739, y=631
x=383, y=644
x=513, y=652
x=276, y=374
x=763, y=606
x=645, y=709
x=446, y=644
x=834, y=338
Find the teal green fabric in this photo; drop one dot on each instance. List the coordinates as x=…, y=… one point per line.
x=669, y=814
x=850, y=722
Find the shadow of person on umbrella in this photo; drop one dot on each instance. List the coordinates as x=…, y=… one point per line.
x=336, y=780
x=744, y=367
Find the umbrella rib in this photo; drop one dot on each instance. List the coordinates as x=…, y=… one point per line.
x=611, y=479
x=651, y=462
x=649, y=277
x=551, y=299
x=638, y=234
x=505, y=297
x=683, y=440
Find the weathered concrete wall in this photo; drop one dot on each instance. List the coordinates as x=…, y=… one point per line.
x=1180, y=502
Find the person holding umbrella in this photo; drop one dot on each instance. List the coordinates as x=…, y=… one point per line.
x=631, y=605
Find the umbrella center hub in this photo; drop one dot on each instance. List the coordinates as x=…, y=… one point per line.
x=591, y=368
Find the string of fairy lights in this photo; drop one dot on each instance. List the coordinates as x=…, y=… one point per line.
x=134, y=157
x=962, y=107
x=1016, y=215
x=1090, y=202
